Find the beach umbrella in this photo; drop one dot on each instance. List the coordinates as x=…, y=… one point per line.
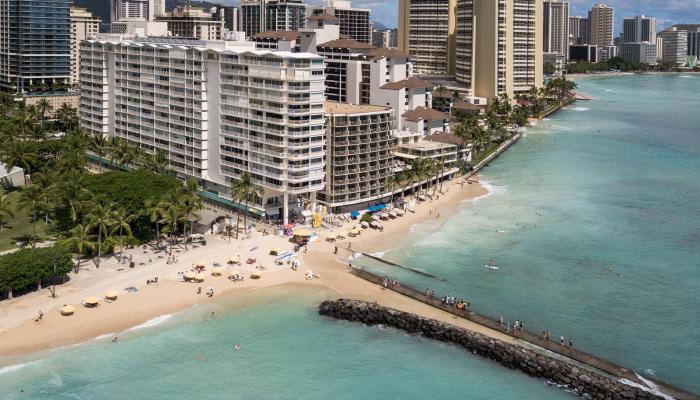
x=190, y=275
x=111, y=295
x=199, y=277
x=375, y=218
x=274, y=251
x=354, y=232
x=234, y=260
x=201, y=263
x=364, y=224
x=399, y=212
x=393, y=214
x=217, y=271
x=67, y=310
x=91, y=301
x=330, y=238
x=341, y=235
x=302, y=232
x=234, y=272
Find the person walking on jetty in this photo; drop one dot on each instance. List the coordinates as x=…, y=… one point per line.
x=571, y=343
x=561, y=340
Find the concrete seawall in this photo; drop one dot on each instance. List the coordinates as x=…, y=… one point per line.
x=532, y=341
x=582, y=381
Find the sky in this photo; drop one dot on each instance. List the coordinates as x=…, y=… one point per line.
x=667, y=12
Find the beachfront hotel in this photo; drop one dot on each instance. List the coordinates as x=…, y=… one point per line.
x=360, y=156
x=354, y=23
x=218, y=109
x=491, y=48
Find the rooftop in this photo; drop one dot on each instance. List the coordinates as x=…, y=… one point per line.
x=287, y=36
x=424, y=114
x=447, y=138
x=467, y=106
x=409, y=83
x=387, y=53
x=336, y=108
x=322, y=16
x=346, y=43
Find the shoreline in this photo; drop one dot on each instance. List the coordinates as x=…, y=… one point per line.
x=21, y=335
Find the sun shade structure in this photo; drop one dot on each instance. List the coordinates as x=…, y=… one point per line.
x=91, y=301
x=67, y=310
x=302, y=232
x=111, y=295
x=274, y=251
x=199, y=277
x=217, y=271
x=234, y=272
x=190, y=275
x=201, y=263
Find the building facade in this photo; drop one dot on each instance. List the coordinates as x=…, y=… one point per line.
x=192, y=22
x=601, y=20
x=272, y=15
x=354, y=22
x=642, y=53
x=82, y=26
x=384, y=38
x=360, y=153
x=232, y=20
x=135, y=9
x=579, y=30
x=693, y=37
x=35, y=44
x=216, y=111
x=638, y=29
x=555, y=16
x=427, y=33
x=675, y=46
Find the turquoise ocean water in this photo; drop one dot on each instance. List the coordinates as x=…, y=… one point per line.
x=570, y=209
x=594, y=221
x=287, y=352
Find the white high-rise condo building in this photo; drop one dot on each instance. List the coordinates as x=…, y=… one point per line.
x=135, y=9
x=82, y=26
x=555, y=15
x=354, y=22
x=217, y=109
x=675, y=46
x=192, y=22
x=601, y=19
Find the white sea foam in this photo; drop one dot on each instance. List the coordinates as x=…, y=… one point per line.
x=55, y=379
x=685, y=76
x=379, y=254
x=151, y=322
x=580, y=109
x=105, y=336
x=650, y=387
x=11, y=368
x=490, y=189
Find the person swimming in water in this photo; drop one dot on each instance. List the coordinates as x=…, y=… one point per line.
x=237, y=347
x=490, y=262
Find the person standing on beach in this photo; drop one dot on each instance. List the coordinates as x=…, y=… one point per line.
x=571, y=342
x=561, y=340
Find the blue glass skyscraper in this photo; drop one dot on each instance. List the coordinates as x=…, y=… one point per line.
x=34, y=44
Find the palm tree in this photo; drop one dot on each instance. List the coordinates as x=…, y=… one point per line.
x=154, y=211
x=172, y=216
x=100, y=217
x=31, y=200
x=81, y=241
x=120, y=224
x=73, y=193
x=98, y=145
x=20, y=154
x=245, y=190
x=43, y=107
x=5, y=209
x=67, y=117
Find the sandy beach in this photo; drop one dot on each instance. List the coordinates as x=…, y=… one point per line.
x=21, y=334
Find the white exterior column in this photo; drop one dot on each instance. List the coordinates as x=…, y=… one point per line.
x=285, y=208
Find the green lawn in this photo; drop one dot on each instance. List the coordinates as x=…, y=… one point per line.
x=19, y=227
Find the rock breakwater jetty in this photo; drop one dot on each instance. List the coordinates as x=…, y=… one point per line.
x=583, y=380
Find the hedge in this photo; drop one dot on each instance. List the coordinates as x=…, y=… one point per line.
x=26, y=268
